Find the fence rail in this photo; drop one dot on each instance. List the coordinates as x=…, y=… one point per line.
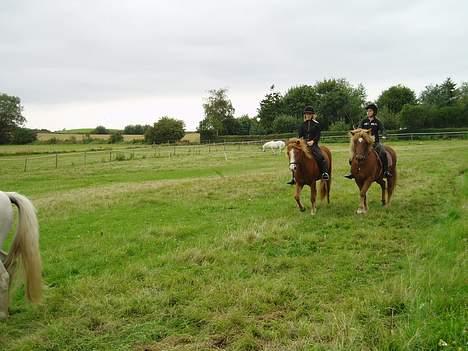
x=80, y=158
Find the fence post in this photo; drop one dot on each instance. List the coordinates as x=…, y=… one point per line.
x=25, y=164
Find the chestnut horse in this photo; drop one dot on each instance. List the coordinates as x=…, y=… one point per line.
x=24, y=249
x=307, y=172
x=366, y=167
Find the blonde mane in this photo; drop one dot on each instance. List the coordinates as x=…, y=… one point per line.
x=355, y=135
x=298, y=143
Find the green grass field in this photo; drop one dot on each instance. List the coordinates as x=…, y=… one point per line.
x=207, y=251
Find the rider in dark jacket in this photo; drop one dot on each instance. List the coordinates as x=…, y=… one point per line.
x=310, y=132
x=376, y=126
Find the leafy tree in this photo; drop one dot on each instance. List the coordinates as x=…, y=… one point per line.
x=296, y=98
x=207, y=132
x=24, y=136
x=219, y=113
x=463, y=93
x=165, y=130
x=338, y=100
x=231, y=126
x=270, y=108
x=391, y=120
x=10, y=116
x=285, y=124
x=136, y=129
x=441, y=95
x=100, y=130
x=256, y=128
x=245, y=124
x=415, y=117
x=395, y=97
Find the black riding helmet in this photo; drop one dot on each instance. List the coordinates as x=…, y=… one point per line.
x=309, y=109
x=372, y=106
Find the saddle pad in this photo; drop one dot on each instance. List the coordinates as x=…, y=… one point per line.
x=389, y=159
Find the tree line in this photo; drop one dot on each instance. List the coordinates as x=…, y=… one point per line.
x=338, y=103
x=339, y=106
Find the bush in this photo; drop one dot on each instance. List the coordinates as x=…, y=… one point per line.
x=116, y=137
x=339, y=126
x=100, y=130
x=23, y=136
x=165, y=130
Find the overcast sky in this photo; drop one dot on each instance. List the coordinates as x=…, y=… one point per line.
x=78, y=64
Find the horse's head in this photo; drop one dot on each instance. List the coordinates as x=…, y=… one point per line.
x=297, y=149
x=361, y=141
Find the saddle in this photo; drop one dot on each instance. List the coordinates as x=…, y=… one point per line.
x=389, y=158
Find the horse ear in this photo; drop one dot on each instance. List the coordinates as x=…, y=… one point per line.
x=352, y=132
x=368, y=131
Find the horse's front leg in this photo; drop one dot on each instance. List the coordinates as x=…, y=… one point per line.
x=382, y=186
x=297, y=197
x=313, y=198
x=4, y=285
x=362, y=209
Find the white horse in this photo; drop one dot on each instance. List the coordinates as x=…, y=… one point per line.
x=24, y=249
x=274, y=145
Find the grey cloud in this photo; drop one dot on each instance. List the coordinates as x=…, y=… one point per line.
x=62, y=51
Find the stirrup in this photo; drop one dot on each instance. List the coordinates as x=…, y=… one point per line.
x=387, y=174
x=349, y=176
x=325, y=176
x=291, y=182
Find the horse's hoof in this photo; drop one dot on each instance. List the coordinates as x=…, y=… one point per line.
x=360, y=211
x=302, y=209
x=313, y=213
x=3, y=315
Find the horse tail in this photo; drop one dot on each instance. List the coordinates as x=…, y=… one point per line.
x=25, y=247
x=391, y=184
x=325, y=185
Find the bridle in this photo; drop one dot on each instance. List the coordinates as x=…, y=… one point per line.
x=362, y=157
x=295, y=162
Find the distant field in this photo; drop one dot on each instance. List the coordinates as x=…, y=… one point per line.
x=81, y=135
x=205, y=249
x=192, y=137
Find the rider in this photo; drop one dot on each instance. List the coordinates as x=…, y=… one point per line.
x=376, y=126
x=310, y=132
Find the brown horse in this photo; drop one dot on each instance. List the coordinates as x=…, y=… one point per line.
x=366, y=167
x=307, y=172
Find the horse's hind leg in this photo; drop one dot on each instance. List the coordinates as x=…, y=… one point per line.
x=382, y=186
x=390, y=187
x=4, y=284
x=297, y=197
